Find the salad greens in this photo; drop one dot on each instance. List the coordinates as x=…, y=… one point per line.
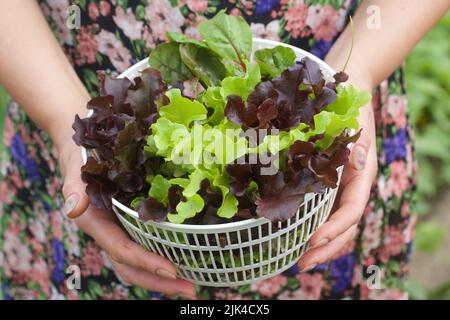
x=258, y=135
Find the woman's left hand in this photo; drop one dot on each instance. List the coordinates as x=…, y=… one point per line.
x=353, y=195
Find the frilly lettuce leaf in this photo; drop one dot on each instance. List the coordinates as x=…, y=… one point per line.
x=182, y=110
x=273, y=61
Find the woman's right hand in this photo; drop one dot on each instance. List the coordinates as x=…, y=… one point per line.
x=132, y=263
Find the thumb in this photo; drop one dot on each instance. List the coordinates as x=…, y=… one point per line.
x=360, y=150
x=74, y=189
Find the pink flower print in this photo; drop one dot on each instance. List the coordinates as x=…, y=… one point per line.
x=162, y=17
x=93, y=11
x=311, y=285
x=385, y=191
x=37, y=231
x=41, y=274
x=198, y=6
x=17, y=255
x=105, y=8
x=59, y=15
x=56, y=223
x=357, y=275
x=394, y=240
x=411, y=162
x=110, y=46
x=128, y=23
x=192, y=30
x=323, y=21
x=292, y=295
x=92, y=260
x=236, y=296
x=147, y=36
x=372, y=231
x=87, y=46
x=382, y=294
x=6, y=193
x=72, y=241
x=296, y=20
x=399, y=177
x=118, y=293
x=405, y=209
x=72, y=295
x=269, y=287
x=8, y=132
x=410, y=229
x=266, y=32
x=394, y=111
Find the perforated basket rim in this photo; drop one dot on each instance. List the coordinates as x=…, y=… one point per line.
x=134, y=70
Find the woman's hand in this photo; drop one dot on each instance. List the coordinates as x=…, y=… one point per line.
x=133, y=263
x=353, y=195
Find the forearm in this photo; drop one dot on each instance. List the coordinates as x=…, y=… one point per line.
x=378, y=52
x=35, y=71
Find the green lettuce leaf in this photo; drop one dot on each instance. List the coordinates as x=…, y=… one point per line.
x=230, y=37
x=203, y=63
x=187, y=209
x=166, y=59
x=159, y=188
x=242, y=86
x=182, y=110
x=273, y=61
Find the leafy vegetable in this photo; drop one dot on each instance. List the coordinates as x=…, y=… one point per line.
x=167, y=59
x=241, y=148
x=182, y=110
x=230, y=37
x=117, y=130
x=273, y=61
x=203, y=64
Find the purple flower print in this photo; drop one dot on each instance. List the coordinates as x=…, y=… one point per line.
x=265, y=6
x=342, y=270
x=58, y=260
x=321, y=48
x=19, y=154
x=292, y=271
x=18, y=150
x=395, y=147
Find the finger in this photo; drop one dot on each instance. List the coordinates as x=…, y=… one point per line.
x=146, y=280
x=74, y=189
x=316, y=256
x=108, y=235
x=353, y=198
x=361, y=148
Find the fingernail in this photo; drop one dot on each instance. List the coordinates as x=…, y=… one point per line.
x=322, y=242
x=70, y=204
x=309, y=268
x=360, y=158
x=166, y=274
x=186, y=296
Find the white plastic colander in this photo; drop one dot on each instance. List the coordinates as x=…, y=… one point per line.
x=237, y=253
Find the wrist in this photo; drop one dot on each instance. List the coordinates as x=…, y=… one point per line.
x=358, y=75
x=60, y=129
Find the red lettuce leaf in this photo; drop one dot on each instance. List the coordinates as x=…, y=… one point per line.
x=284, y=102
x=116, y=132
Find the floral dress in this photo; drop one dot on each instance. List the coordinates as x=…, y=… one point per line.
x=37, y=242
